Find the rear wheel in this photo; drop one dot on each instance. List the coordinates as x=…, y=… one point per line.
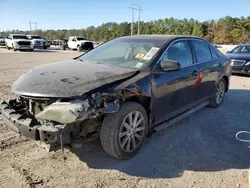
x=123, y=133
x=220, y=93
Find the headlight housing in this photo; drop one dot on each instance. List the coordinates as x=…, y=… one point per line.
x=247, y=63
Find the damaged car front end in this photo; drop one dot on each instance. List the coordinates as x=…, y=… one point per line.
x=44, y=119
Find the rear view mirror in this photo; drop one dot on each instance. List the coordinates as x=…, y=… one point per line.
x=170, y=65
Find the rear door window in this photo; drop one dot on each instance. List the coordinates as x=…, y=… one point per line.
x=202, y=51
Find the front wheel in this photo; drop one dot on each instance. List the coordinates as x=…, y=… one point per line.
x=79, y=48
x=14, y=49
x=123, y=133
x=220, y=93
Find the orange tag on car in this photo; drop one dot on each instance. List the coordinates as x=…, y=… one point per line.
x=139, y=56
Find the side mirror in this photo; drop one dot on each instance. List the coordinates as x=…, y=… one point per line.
x=74, y=40
x=170, y=65
x=228, y=52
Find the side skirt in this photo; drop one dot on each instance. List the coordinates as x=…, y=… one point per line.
x=181, y=117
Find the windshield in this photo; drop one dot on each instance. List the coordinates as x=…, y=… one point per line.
x=35, y=37
x=80, y=38
x=19, y=37
x=241, y=49
x=130, y=53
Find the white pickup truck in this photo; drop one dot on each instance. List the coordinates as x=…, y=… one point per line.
x=37, y=41
x=18, y=42
x=80, y=43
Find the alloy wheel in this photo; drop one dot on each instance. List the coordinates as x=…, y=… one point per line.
x=220, y=92
x=132, y=131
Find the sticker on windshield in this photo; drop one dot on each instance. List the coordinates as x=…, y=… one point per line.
x=138, y=65
x=151, y=53
x=139, y=56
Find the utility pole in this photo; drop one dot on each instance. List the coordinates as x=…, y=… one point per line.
x=133, y=8
x=139, y=17
x=30, y=26
x=35, y=26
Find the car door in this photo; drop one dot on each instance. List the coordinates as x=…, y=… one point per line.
x=208, y=66
x=174, y=92
x=71, y=43
x=9, y=41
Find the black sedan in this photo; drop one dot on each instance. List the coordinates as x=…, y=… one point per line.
x=240, y=57
x=121, y=91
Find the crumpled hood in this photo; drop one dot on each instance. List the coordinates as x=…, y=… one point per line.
x=68, y=78
x=239, y=56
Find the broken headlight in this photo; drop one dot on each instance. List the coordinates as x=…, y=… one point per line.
x=64, y=112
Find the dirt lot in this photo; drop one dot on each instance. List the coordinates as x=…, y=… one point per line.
x=200, y=151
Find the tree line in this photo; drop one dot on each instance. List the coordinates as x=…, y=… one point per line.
x=227, y=30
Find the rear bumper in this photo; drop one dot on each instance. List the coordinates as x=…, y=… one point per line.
x=26, y=127
x=241, y=70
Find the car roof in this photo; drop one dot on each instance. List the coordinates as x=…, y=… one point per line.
x=165, y=38
x=244, y=45
x=79, y=36
x=18, y=34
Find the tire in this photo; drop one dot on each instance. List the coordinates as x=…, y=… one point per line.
x=14, y=49
x=220, y=90
x=79, y=48
x=112, y=126
x=8, y=48
x=31, y=50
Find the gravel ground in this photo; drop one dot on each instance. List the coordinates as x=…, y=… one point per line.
x=200, y=151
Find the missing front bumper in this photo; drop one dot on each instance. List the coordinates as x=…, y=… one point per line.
x=26, y=127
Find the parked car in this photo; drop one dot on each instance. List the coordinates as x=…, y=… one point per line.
x=80, y=43
x=63, y=44
x=217, y=46
x=37, y=41
x=47, y=43
x=240, y=57
x=18, y=42
x=2, y=41
x=121, y=91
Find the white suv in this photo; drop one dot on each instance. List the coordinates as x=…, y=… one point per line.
x=80, y=43
x=18, y=42
x=37, y=41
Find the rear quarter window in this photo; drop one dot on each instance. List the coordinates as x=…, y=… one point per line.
x=214, y=53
